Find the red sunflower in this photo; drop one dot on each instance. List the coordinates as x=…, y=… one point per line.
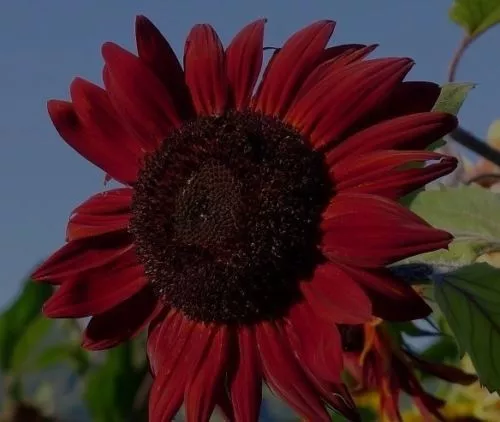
x=378, y=363
x=250, y=222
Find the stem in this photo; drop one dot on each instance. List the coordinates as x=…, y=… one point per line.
x=457, y=57
x=470, y=141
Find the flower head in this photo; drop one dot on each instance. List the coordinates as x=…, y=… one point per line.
x=252, y=220
x=378, y=363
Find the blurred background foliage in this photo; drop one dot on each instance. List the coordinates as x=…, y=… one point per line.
x=45, y=375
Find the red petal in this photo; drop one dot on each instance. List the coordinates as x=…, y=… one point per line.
x=93, y=140
x=392, y=299
x=316, y=342
x=155, y=51
x=369, y=231
x=106, y=212
x=386, y=173
x=334, y=59
x=246, y=384
x=205, y=70
x=141, y=99
x=175, y=358
x=336, y=297
x=244, y=61
x=82, y=255
x=292, y=64
x=344, y=98
x=200, y=396
x=121, y=323
x=284, y=375
x=416, y=131
x=98, y=290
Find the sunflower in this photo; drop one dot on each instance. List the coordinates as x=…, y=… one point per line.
x=378, y=363
x=252, y=219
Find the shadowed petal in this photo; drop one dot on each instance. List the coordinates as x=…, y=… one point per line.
x=97, y=140
x=291, y=65
x=103, y=213
x=204, y=64
x=176, y=347
x=155, y=51
x=97, y=290
x=388, y=173
x=360, y=231
x=345, y=97
x=336, y=297
x=246, y=383
x=121, y=323
x=82, y=255
x=200, y=396
x=138, y=95
x=445, y=372
x=416, y=131
x=243, y=62
x=284, y=375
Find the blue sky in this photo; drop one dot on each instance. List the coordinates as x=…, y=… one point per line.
x=43, y=45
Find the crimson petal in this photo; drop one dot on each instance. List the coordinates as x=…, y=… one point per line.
x=369, y=231
x=97, y=290
x=290, y=66
x=138, y=95
x=106, y=212
x=200, y=396
x=246, y=383
x=120, y=323
x=284, y=375
x=416, y=131
x=155, y=51
x=383, y=172
x=244, y=61
x=204, y=64
x=336, y=297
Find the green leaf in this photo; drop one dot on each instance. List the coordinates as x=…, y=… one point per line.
x=19, y=315
x=72, y=354
x=470, y=213
x=452, y=97
x=111, y=389
x=475, y=16
x=27, y=344
x=470, y=300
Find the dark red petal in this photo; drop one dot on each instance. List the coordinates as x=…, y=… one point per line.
x=392, y=299
x=246, y=384
x=200, y=397
x=204, y=65
x=244, y=61
x=175, y=361
x=106, y=212
x=82, y=255
x=346, y=97
x=155, y=51
x=121, y=323
x=333, y=59
x=416, y=131
x=369, y=231
x=97, y=290
x=445, y=372
x=141, y=99
x=93, y=142
x=291, y=65
x=316, y=342
x=284, y=374
x=336, y=297
x=386, y=173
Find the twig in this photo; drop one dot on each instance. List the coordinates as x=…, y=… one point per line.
x=472, y=142
x=487, y=177
x=457, y=57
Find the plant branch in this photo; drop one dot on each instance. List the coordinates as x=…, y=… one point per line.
x=457, y=57
x=470, y=141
